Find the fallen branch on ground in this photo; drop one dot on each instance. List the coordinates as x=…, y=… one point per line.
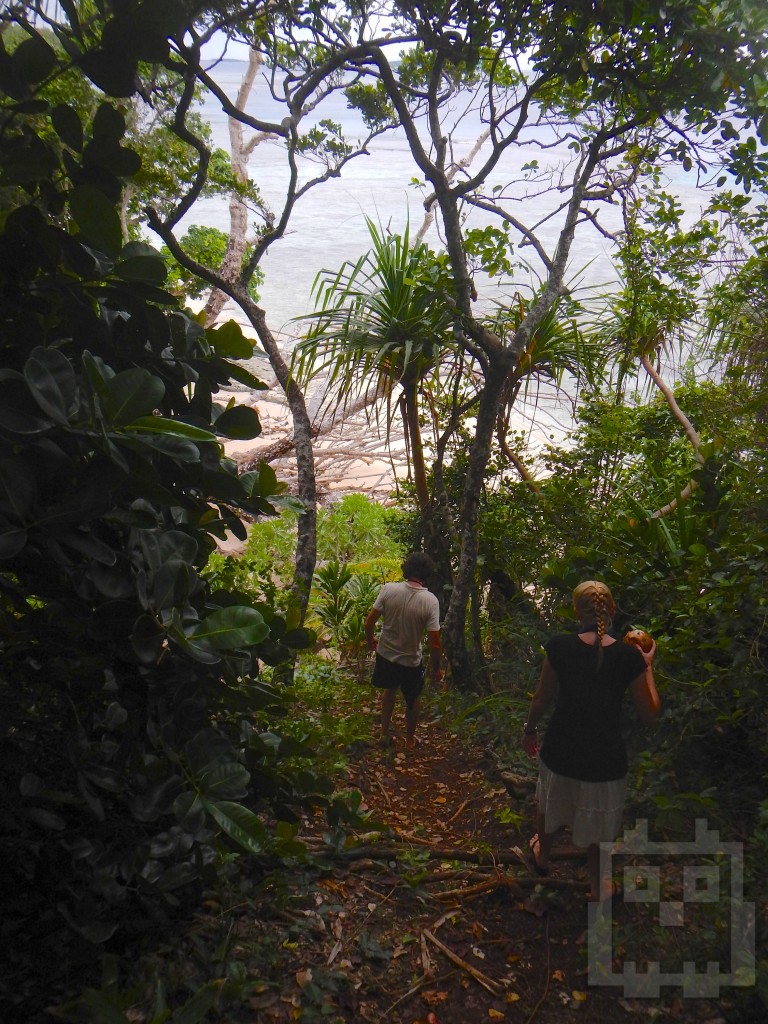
x=492, y=882
x=492, y=858
x=488, y=983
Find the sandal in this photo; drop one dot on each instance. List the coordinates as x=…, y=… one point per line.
x=534, y=845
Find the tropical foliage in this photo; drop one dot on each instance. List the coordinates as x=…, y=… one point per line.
x=149, y=739
x=138, y=750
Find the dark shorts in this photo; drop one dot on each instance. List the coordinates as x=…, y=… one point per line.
x=409, y=679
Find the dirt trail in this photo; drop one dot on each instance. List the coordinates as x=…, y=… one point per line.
x=431, y=918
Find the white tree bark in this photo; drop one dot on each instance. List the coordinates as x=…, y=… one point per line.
x=687, y=426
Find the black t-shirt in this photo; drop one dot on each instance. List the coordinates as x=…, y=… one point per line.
x=583, y=739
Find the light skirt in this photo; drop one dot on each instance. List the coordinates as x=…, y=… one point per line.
x=592, y=810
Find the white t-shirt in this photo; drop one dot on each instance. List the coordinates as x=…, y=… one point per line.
x=409, y=611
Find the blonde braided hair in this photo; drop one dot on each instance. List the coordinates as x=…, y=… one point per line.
x=592, y=602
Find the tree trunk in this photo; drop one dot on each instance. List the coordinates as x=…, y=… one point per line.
x=462, y=666
x=413, y=430
x=687, y=426
x=306, y=545
x=238, y=211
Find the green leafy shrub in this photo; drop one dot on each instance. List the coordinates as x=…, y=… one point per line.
x=138, y=752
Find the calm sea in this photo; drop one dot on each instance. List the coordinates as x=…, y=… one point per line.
x=328, y=225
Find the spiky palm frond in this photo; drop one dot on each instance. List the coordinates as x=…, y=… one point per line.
x=385, y=317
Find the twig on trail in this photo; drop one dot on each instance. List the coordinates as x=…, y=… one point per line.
x=488, y=983
x=543, y=995
x=386, y=794
x=442, y=919
x=426, y=959
x=411, y=838
x=532, y=881
x=412, y=991
x=482, y=887
x=469, y=800
x=391, y=851
x=334, y=952
x=340, y=944
x=441, y=876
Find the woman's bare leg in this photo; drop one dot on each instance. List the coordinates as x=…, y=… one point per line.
x=600, y=885
x=545, y=843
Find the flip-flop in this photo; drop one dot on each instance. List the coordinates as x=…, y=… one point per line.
x=533, y=844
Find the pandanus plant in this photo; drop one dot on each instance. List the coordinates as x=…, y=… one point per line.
x=382, y=324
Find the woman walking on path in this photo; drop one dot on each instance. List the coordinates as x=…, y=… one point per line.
x=583, y=760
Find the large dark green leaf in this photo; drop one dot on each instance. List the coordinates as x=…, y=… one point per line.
x=149, y=269
x=134, y=394
x=224, y=781
x=231, y=628
x=105, y=777
x=12, y=539
x=111, y=70
x=199, y=1005
x=159, y=547
x=159, y=798
x=111, y=581
x=234, y=371
x=190, y=812
x=97, y=218
x=53, y=384
x=98, y=1006
x=12, y=81
x=300, y=638
x=91, y=547
x=170, y=585
x=18, y=489
x=229, y=340
x=66, y=121
x=262, y=483
x=239, y=824
x=34, y=59
x=177, y=448
x=29, y=160
x=108, y=126
x=207, y=748
x=162, y=424
x=177, y=876
x=240, y=422
x=147, y=640
x=46, y=819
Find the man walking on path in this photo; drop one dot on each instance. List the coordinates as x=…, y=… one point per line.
x=408, y=611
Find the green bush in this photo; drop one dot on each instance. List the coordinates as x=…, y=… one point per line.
x=138, y=754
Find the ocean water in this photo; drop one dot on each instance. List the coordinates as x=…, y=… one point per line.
x=328, y=224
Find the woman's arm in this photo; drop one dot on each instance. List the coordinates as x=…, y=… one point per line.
x=542, y=698
x=645, y=696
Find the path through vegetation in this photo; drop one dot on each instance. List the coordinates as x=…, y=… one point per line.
x=431, y=917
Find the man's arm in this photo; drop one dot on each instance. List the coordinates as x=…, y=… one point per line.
x=435, y=655
x=370, y=622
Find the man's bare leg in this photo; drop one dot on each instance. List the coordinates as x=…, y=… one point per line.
x=411, y=721
x=388, y=698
